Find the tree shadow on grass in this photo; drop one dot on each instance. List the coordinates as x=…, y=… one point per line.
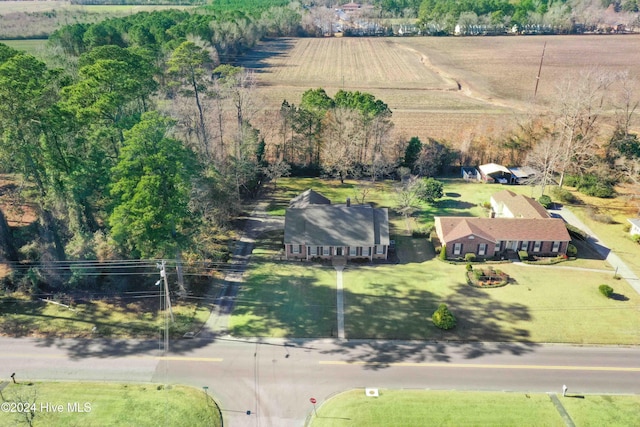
x=257, y=58
x=387, y=329
x=618, y=297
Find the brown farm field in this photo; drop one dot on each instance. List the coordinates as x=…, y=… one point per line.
x=441, y=87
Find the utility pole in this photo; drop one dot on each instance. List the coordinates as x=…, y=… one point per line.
x=163, y=275
x=535, y=92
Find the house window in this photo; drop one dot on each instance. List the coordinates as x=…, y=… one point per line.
x=555, y=247
x=497, y=249
x=379, y=250
x=482, y=249
x=524, y=246
x=536, y=246
x=457, y=248
x=326, y=250
x=352, y=251
x=295, y=249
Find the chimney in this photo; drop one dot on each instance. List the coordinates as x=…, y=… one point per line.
x=348, y=201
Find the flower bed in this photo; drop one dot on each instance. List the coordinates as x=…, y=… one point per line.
x=487, y=278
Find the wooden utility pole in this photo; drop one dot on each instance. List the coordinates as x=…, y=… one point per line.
x=535, y=92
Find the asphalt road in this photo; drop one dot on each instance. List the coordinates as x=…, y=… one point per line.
x=274, y=379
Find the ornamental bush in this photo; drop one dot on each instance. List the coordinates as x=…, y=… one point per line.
x=606, y=290
x=572, y=251
x=545, y=201
x=443, y=318
x=469, y=267
x=469, y=257
x=523, y=255
x=443, y=253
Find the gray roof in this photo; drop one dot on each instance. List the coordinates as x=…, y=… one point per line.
x=307, y=198
x=634, y=221
x=330, y=225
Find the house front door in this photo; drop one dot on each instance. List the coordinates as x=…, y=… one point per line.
x=513, y=245
x=339, y=251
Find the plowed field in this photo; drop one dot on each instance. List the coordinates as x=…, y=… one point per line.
x=446, y=88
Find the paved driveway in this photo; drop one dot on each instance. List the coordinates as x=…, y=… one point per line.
x=622, y=269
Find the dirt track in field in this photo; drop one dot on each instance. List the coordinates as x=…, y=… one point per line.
x=447, y=88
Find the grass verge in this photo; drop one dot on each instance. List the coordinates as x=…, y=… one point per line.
x=450, y=408
x=111, y=405
x=116, y=317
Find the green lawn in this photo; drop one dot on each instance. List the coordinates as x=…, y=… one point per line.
x=451, y=408
x=461, y=198
x=139, y=318
x=546, y=304
x=437, y=408
x=597, y=411
x=32, y=47
x=284, y=299
x=395, y=301
x=112, y=405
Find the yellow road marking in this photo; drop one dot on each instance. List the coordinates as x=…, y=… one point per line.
x=484, y=366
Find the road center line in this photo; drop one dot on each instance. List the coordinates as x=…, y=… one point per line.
x=485, y=366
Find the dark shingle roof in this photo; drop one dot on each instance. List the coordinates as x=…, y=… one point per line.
x=330, y=225
x=307, y=198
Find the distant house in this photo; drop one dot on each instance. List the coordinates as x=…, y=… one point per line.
x=493, y=172
x=495, y=237
x=507, y=204
x=522, y=174
x=314, y=228
x=470, y=174
x=635, y=226
x=351, y=7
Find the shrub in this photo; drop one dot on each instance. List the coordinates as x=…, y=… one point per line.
x=469, y=257
x=469, y=267
x=443, y=253
x=626, y=228
x=606, y=290
x=594, y=215
x=572, y=251
x=421, y=232
x=576, y=233
x=478, y=274
x=636, y=238
x=443, y=318
x=545, y=201
x=523, y=255
x=564, y=195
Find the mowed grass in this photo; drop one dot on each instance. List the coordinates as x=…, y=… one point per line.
x=141, y=318
x=32, y=47
x=558, y=303
x=546, y=304
x=451, y=408
x=284, y=299
x=114, y=405
x=596, y=411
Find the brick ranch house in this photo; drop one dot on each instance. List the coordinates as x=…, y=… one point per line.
x=496, y=237
x=314, y=228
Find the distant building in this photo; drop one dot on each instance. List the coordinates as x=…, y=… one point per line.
x=507, y=204
x=635, y=226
